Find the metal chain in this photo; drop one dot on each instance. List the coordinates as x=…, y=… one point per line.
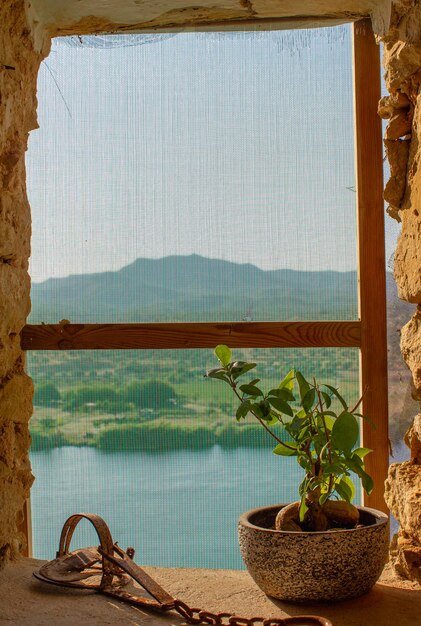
x=198, y=616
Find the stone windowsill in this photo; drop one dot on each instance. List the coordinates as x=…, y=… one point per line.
x=24, y=601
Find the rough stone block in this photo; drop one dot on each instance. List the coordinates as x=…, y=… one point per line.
x=16, y=399
x=388, y=105
x=411, y=347
x=403, y=497
x=399, y=125
x=401, y=61
x=397, y=153
x=12, y=496
x=413, y=439
x=407, y=267
x=405, y=554
x=15, y=303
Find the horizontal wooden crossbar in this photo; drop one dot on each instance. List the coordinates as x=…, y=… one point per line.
x=178, y=335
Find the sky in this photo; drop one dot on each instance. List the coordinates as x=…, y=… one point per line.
x=236, y=146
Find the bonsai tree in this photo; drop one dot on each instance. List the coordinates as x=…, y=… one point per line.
x=299, y=415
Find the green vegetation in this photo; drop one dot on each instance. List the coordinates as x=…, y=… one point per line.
x=46, y=394
x=302, y=419
x=110, y=398
x=85, y=398
x=157, y=436
x=43, y=440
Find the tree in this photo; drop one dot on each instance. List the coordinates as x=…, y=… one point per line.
x=152, y=394
x=46, y=394
x=98, y=395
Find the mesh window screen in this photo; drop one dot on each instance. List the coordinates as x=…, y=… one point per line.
x=164, y=462
x=197, y=177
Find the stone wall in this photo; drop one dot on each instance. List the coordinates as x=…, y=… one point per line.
x=402, y=61
x=18, y=72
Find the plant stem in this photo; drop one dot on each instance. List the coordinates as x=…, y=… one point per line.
x=329, y=451
x=359, y=401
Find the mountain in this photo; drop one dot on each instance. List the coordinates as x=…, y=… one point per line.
x=193, y=288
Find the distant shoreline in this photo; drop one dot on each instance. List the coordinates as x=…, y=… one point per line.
x=158, y=435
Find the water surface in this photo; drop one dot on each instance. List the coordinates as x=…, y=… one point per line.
x=177, y=509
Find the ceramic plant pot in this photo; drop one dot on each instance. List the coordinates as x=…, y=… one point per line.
x=313, y=566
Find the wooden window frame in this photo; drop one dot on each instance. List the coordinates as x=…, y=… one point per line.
x=368, y=333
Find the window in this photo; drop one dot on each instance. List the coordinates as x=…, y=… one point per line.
x=200, y=196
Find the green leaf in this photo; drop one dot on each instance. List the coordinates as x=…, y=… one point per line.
x=303, y=462
x=319, y=442
x=303, y=385
x=303, y=487
x=281, y=406
x=242, y=410
x=332, y=468
x=303, y=508
x=354, y=463
x=295, y=425
x=338, y=395
x=283, y=394
x=366, y=480
x=251, y=390
x=327, y=420
x=343, y=489
x=308, y=400
x=348, y=481
x=303, y=434
x=218, y=372
x=362, y=452
x=342, y=493
x=326, y=397
x=239, y=368
x=345, y=432
x=265, y=408
x=223, y=354
x=288, y=381
x=272, y=419
x=282, y=450
x=255, y=408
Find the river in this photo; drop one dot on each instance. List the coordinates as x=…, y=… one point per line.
x=177, y=509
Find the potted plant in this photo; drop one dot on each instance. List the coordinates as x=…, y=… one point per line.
x=321, y=547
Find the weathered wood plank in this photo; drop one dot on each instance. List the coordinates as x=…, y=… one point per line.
x=372, y=278
x=191, y=335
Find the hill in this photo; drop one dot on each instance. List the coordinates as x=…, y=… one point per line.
x=193, y=288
